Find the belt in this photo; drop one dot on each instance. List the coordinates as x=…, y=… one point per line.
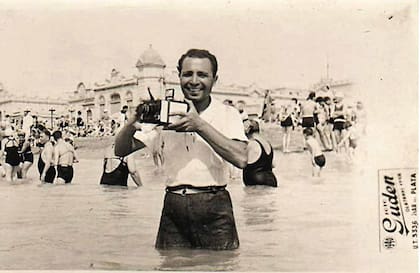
x=189, y=189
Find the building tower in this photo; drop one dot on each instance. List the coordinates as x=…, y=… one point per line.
x=151, y=74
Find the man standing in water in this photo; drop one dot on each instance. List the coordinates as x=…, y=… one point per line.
x=199, y=146
x=45, y=160
x=64, y=156
x=308, y=110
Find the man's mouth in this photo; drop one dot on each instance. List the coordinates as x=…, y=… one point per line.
x=194, y=90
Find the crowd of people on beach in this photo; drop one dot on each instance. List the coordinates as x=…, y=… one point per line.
x=197, y=151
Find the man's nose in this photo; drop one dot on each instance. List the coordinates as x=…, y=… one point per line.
x=194, y=79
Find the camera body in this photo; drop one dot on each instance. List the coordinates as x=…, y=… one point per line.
x=158, y=111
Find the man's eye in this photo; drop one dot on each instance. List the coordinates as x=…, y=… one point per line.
x=186, y=74
x=202, y=75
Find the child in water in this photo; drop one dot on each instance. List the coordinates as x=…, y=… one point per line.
x=317, y=157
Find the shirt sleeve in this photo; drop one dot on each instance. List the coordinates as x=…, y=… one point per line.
x=234, y=127
x=148, y=135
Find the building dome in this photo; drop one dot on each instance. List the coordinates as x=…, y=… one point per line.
x=150, y=58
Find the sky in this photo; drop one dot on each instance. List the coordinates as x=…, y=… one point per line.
x=49, y=47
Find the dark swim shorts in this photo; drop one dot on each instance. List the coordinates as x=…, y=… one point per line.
x=287, y=122
x=308, y=122
x=65, y=172
x=200, y=220
x=50, y=174
x=320, y=160
x=339, y=126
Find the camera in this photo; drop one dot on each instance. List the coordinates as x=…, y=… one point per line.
x=158, y=111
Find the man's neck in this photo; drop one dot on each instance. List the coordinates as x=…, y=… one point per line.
x=202, y=105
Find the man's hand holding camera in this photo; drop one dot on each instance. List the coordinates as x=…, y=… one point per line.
x=187, y=122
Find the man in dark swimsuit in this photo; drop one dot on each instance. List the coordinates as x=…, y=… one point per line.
x=64, y=157
x=45, y=167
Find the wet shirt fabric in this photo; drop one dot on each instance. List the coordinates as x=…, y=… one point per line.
x=189, y=159
x=261, y=171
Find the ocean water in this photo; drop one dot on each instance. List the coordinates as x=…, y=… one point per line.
x=303, y=225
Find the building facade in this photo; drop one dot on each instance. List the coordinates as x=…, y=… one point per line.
x=108, y=97
x=44, y=109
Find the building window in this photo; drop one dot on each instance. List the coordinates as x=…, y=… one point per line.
x=89, y=115
x=129, y=100
x=115, y=103
x=101, y=104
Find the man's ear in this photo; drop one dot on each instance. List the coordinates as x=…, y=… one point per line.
x=216, y=77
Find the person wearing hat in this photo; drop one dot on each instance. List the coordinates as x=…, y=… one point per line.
x=10, y=148
x=259, y=170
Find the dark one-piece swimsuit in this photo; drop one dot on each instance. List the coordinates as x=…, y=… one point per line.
x=117, y=177
x=12, y=154
x=261, y=171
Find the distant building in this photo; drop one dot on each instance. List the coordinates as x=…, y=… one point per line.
x=14, y=106
x=106, y=98
x=328, y=86
x=118, y=90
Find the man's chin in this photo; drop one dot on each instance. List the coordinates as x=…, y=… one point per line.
x=194, y=97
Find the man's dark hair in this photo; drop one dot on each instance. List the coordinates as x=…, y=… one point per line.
x=228, y=102
x=254, y=127
x=311, y=95
x=295, y=100
x=79, y=112
x=308, y=132
x=45, y=130
x=57, y=135
x=202, y=54
x=125, y=107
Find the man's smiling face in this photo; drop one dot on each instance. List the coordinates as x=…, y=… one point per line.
x=197, y=79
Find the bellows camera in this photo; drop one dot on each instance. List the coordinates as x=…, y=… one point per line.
x=158, y=111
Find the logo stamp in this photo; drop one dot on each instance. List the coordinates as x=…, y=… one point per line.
x=397, y=202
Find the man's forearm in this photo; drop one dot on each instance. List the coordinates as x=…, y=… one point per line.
x=233, y=151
